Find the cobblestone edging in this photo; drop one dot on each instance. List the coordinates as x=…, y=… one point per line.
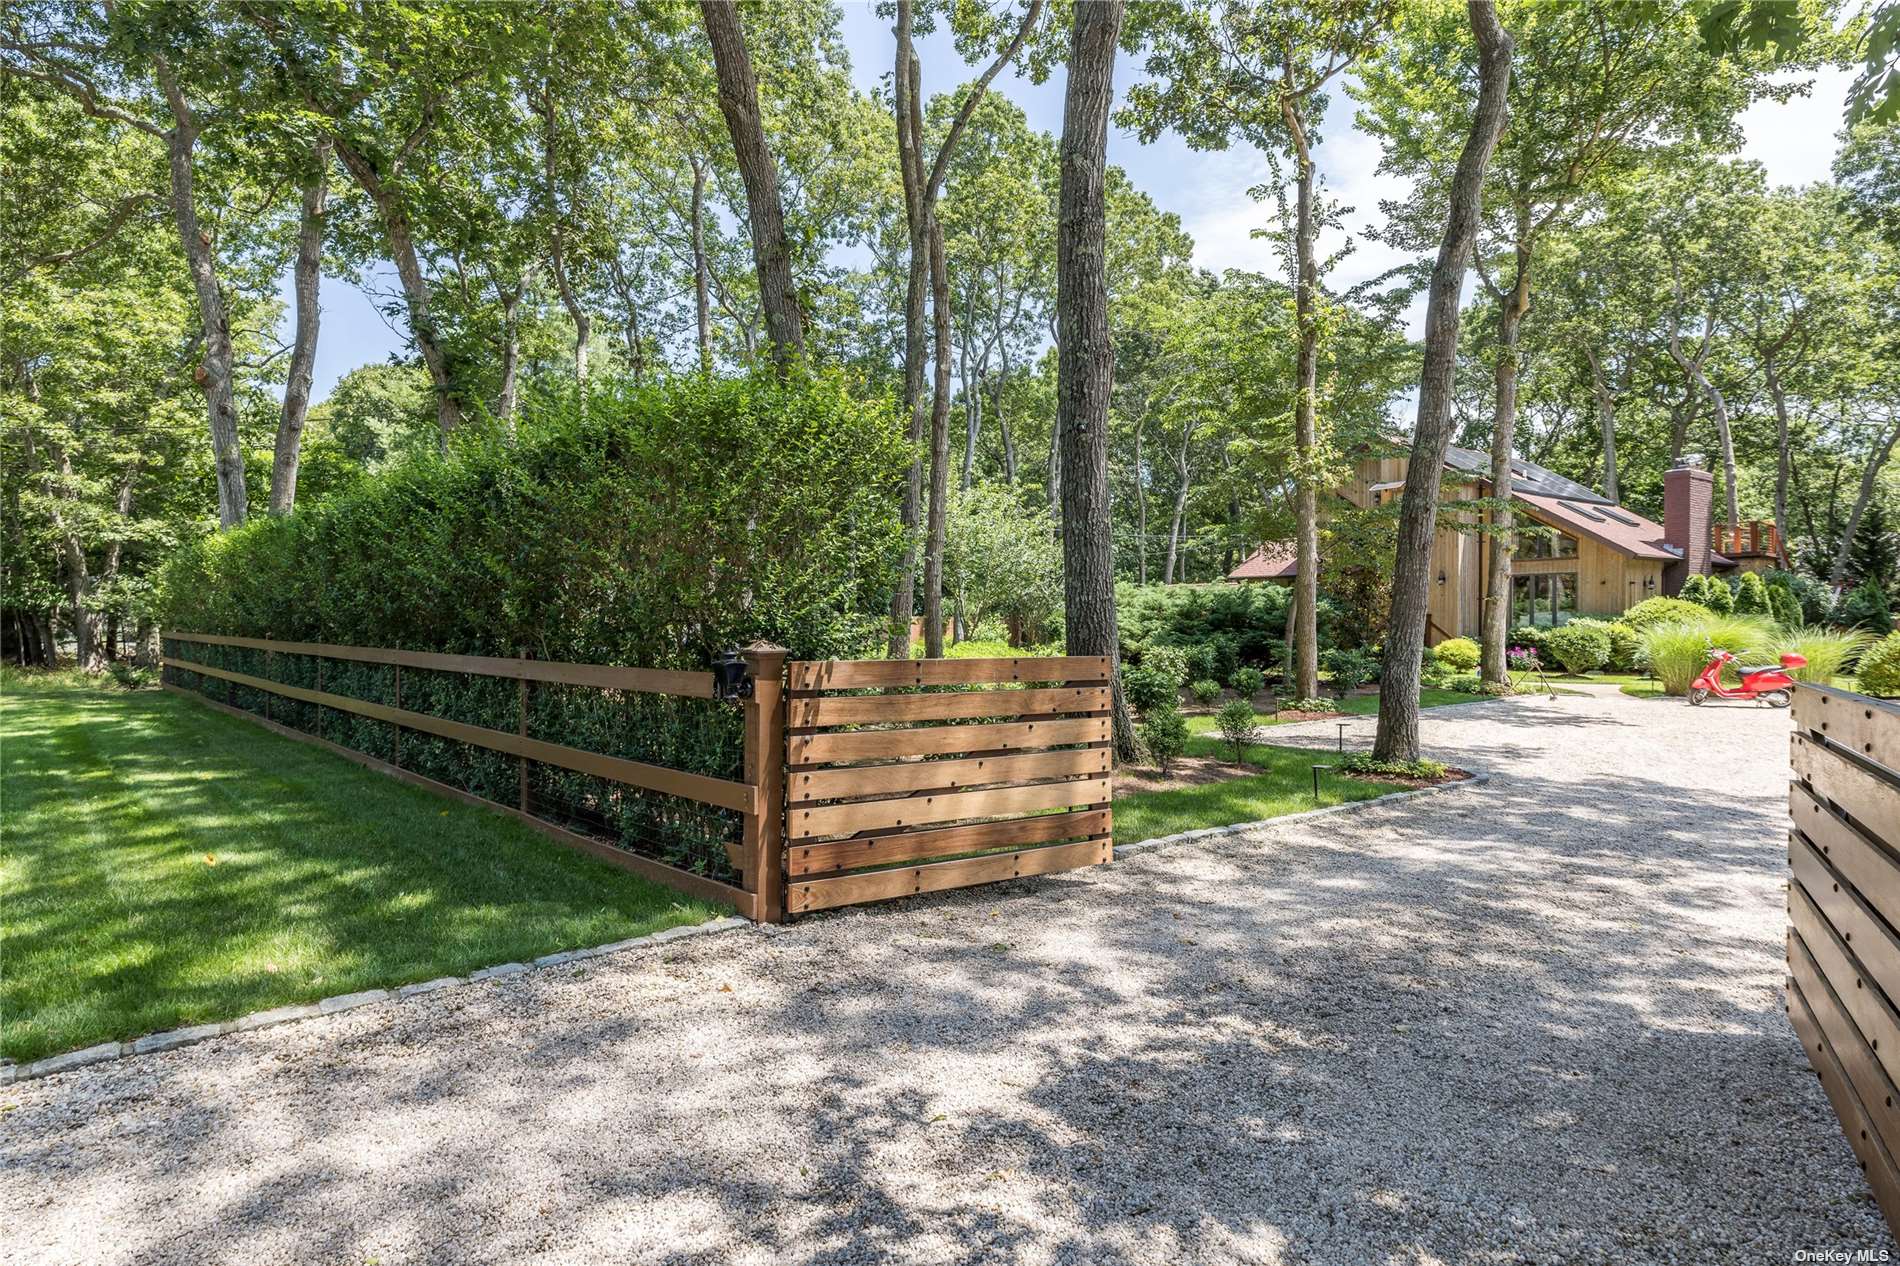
x=152, y=1043
x=1213, y=832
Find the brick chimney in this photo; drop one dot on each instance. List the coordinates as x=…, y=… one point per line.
x=1688, y=492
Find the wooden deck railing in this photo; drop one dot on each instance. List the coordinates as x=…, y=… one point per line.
x=1843, y=908
x=753, y=851
x=1753, y=537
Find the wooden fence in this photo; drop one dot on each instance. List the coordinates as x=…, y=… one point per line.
x=864, y=780
x=1843, y=909
x=901, y=778
x=751, y=846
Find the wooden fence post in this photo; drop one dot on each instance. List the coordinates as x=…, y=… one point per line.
x=765, y=770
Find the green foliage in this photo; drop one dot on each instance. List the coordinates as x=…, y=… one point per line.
x=1751, y=596
x=1171, y=662
x=1164, y=733
x=1153, y=616
x=1815, y=598
x=1205, y=691
x=1783, y=604
x=1581, y=646
x=1829, y=652
x=1349, y=668
x=1148, y=689
x=1530, y=637
x=1677, y=651
x=1460, y=654
x=1237, y=725
x=1625, y=646
x=1865, y=607
x=1466, y=683
x=1661, y=610
x=1423, y=769
x=1000, y=560
x=1879, y=670
x=1306, y=705
x=1248, y=681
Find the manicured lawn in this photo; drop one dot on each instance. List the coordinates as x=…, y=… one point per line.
x=1284, y=785
x=1357, y=705
x=164, y=864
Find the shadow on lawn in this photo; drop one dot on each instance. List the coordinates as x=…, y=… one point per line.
x=1499, y=1023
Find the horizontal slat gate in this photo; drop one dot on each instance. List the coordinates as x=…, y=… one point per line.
x=912, y=776
x=1843, y=909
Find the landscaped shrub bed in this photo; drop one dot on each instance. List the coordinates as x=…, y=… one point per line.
x=653, y=527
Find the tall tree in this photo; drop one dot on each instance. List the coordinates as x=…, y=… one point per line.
x=1085, y=358
x=1397, y=736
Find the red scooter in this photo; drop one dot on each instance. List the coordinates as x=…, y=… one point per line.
x=1766, y=682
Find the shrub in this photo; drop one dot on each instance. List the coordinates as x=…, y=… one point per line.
x=1677, y=651
x=1460, y=654
x=1305, y=705
x=1252, y=617
x=1350, y=669
x=1783, y=603
x=1581, y=646
x=1829, y=652
x=1718, y=597
x=1466, y=683
x=1530, y=637
x=1423, y=769
x=1879, y=670
x=1171, y=662
x=1751, y=596
x=1431, y=673
x=1148, y=689
x=1199, y=659
x=1625, y=643
x=1812, y=595
x=1236, y=723
x=128, y=676
x=1664, y=611
x=1164, y=733
x=1522, y=659
x=1205, y=691
x=1248, y=681
x=1865, y=607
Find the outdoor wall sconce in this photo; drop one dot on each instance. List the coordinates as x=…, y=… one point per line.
x=730, y=680
x=1441, y=579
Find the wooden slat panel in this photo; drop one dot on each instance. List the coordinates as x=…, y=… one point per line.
x=1869, y=727
x=1859, y=992
x=1870, y=1081
x=915, y=846
x=944, y=740
x=1874, y=1159
x=673, y=782
x=882, y=885
x=1872, y=943
x=944, y=775
x=673, y=877
x=698, y=685
x=845, y=674
x=1871, y=869
x=1869, y=799
x=957, y=706
x=950, y=807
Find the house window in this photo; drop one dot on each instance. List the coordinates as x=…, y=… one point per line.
x=1545, y=544
x=1546, y=599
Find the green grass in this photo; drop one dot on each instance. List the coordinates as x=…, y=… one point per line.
x=1644, y=688
x=1284, y=785
x=164, y=864
x=1357, y=705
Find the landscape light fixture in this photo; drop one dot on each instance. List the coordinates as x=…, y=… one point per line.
x=731, y=681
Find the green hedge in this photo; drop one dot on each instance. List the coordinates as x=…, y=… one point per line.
x=646, y=526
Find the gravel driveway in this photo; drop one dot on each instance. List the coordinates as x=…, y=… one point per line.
x=1538, y=1020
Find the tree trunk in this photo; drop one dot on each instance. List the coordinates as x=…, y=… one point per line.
x=630, y=331
x=1305, y=634
x=1692, y=370
x=1782, y=461
x=510, y=361
x=939, y=445
x=557, y=245
x=1606, y=420
x=1141, y=508
x=1174, y=529
x=908, y=112
x=79, y=584
x=972, y=409
x=1085, y=357
x=771, y=253
x=702, y=279
x=216, y=371
x=1397, y=737
x=1495, y=668
x=1869, y=476
x=308, y=275
x=1002, y=417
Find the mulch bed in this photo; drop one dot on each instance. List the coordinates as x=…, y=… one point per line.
x=1450, y=775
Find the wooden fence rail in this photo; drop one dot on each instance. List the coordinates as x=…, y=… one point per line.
x=1843, y=909
x=909, y=807
x=754, y=852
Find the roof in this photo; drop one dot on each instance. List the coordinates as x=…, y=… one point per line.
x=1622, y=530
x=1276, y=560
x=1525, y=477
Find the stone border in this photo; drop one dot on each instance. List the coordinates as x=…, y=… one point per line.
x=1477, y=779
x=152, y=1043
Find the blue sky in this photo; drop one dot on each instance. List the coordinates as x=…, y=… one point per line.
x=1795, y=142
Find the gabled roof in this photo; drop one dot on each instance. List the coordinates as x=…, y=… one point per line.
x=1525, y=476
x=1276, y=560
x=1603, y=521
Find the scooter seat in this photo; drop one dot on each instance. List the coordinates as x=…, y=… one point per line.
x=1760, y=668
